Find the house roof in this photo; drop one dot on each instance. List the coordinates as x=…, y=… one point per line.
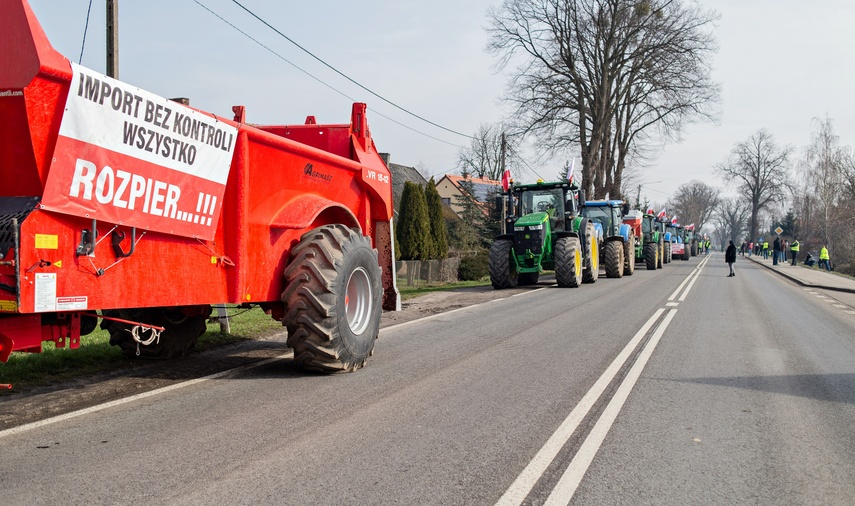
x=482, y=187
x=400, y=175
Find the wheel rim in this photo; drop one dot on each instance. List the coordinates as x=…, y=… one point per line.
x=357, y=301
x=577, y=260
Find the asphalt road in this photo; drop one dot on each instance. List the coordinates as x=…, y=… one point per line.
x=679, y=386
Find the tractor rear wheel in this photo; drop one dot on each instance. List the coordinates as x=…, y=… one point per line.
x=182, y=328
x=613, y=257
x=667, y=257
x=592, y=266
x=528, y=278
x=651, y=255
x=629, y=257
x=503, y=269
x=694, y=248
x=661, y=255
x=332, y=299
x=568, y=262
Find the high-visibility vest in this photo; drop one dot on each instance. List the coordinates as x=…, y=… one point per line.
x=823, y=254
x=765, y=244
x=794, y=246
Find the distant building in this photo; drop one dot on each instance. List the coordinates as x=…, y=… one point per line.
x=451, y=191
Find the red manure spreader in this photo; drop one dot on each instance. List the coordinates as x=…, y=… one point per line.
x=122, y=206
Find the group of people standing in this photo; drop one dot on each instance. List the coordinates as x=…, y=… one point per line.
x=779, y=253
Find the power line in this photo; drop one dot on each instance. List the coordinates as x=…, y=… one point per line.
x=85, y=29
x=250, y=37
x=346, y=76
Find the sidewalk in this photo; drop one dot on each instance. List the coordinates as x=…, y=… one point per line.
x=806, y=276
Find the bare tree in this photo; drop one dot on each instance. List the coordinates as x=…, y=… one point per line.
x=733, y=213
x=761, y=169
x=483, y=157
x=824, y=169
x=604, y=74
x=695, y=202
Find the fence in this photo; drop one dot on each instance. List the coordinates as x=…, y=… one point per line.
x=419, y=272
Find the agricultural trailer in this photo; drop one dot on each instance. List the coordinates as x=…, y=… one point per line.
x=120, y=205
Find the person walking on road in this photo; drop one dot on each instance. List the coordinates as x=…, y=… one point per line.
x=730, y=258
x=824, y=258
x=794, y=250
x=776, y=250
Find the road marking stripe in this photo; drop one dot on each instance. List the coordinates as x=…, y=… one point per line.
x=126, y=400
x=672, y=303
x=849, y=312
x=692, y=283
x=569, y=482
x=696, y=272
x=521, y=487
x=840, y=306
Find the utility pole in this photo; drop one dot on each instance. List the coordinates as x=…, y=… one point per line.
x=113, y=38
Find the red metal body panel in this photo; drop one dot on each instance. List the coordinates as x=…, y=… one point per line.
x=283, y=181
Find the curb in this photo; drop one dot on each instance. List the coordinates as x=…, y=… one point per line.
x=800, y=281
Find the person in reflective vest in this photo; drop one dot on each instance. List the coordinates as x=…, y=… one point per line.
x=794, y=250
x=823, y=258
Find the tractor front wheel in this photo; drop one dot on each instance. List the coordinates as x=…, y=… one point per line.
x=503, y=269
x=182, y=328
x=332, y=299
x=568, y=262
x=613, y=255
x=651, y=255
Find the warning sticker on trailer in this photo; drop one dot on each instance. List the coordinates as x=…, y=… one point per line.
x=45, y=292
x=72, y=303
x=130, y=157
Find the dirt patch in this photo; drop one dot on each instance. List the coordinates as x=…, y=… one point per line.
x=19, y=407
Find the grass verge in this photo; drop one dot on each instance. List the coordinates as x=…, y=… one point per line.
x=96, y=355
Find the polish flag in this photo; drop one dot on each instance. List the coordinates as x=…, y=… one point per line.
x=674, y=220
x=650, y=211
x=571, y=173
x=506, y=178
x=661, y=214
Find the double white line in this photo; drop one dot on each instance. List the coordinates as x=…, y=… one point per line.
x=569, y=481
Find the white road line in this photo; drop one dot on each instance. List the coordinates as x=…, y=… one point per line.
x=569, y=482
x=520, y=488
x=849, y=312
x=126, y=400
x=840, y=306
x=695, y=272
x=672, y=304
x=692, y=283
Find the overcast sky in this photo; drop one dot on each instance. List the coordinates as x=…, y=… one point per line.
x=781, y=63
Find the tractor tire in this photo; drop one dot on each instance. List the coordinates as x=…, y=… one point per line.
x=568, y=262
x=591, y=271
x=503, y=270
x=685, y=253
x=629, y=257
x=181, y=330
x=528, y=278
x=613, y=258
x=666, y=258
x=651, y=255
x=661, y=255
x=694, y=248
x=332, y=297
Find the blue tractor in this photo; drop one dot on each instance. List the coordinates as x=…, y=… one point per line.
x=617, y=241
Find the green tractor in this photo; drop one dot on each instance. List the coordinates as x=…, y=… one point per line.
x=543, y=231
x=649, y=238
x=617, y=241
